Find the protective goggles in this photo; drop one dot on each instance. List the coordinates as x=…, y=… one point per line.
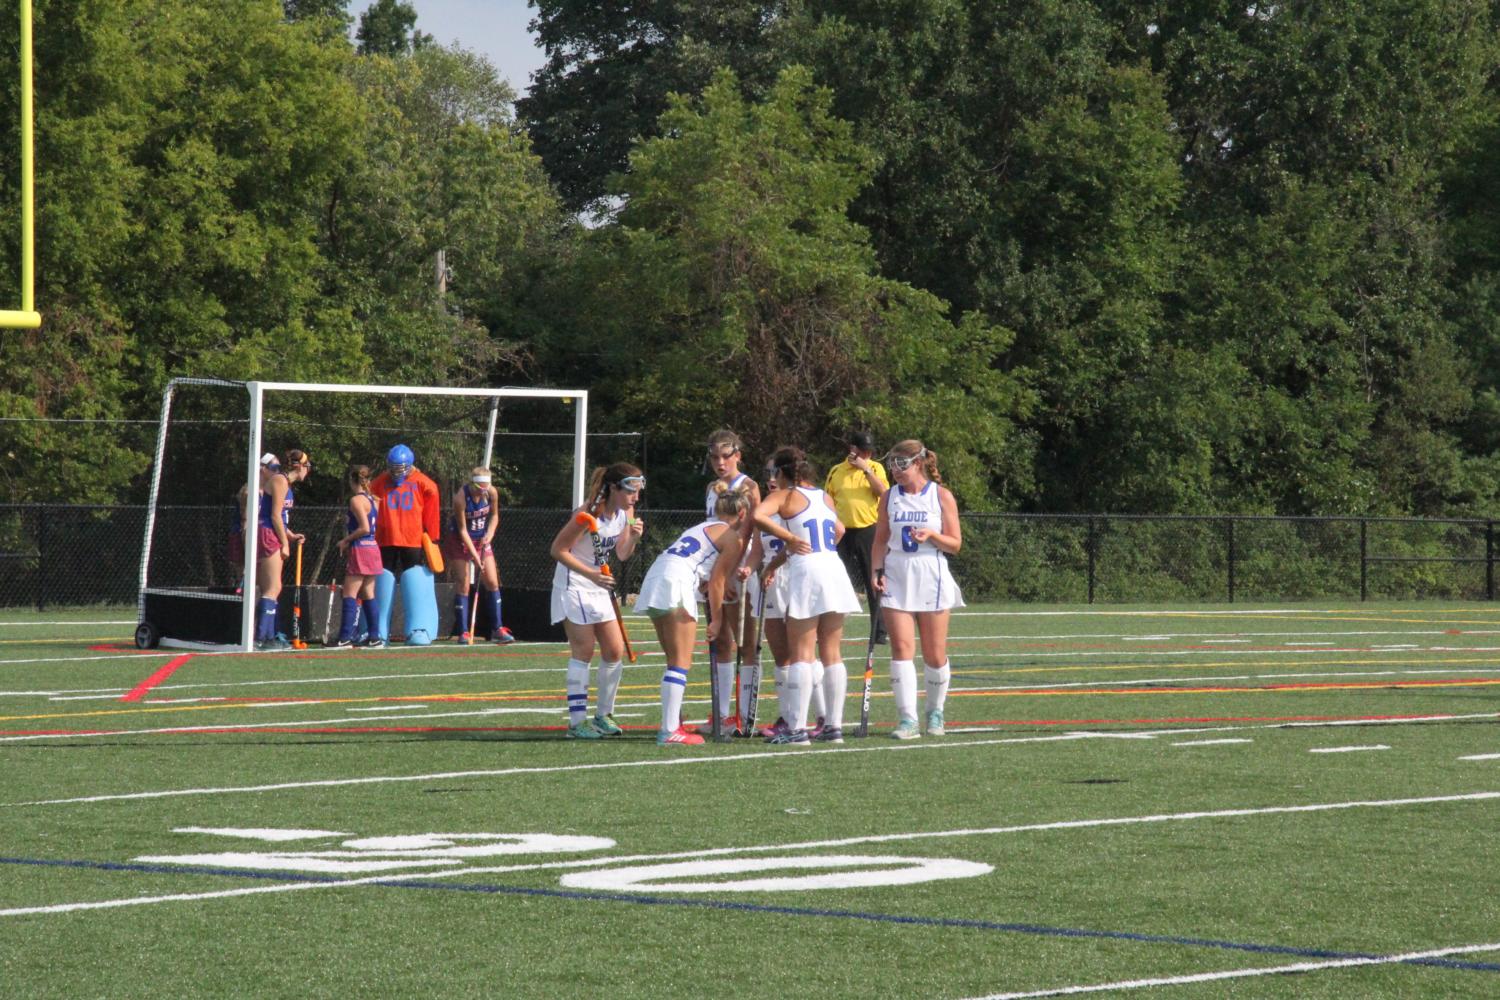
x=631, y=484
x=900, y=463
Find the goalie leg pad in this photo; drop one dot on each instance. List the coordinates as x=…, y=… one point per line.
x=419, y=602
x=385, y=599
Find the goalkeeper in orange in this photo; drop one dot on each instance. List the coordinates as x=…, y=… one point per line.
x=410, y=506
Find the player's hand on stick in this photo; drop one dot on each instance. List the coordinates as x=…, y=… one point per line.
x=602, y=576
x=712, y=632
x=880, y=579
x=742, y=573
x=294, y=536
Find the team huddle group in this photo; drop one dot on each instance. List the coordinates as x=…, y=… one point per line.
x=768, y=560
x=769, y=563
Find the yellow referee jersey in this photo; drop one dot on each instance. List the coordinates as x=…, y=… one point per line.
x=857, y=503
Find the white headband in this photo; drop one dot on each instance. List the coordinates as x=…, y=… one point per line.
x=480, y=480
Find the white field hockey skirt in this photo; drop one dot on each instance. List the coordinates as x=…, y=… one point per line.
x=664, y=591
x=774, y=596
x=817, y=586
x=919, y=583
x=581, y=605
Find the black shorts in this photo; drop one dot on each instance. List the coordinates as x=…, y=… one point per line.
x=400, y=558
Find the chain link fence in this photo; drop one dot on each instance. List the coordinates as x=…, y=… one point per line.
x=56, y=555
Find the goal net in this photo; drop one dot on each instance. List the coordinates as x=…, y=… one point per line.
x=198, y=561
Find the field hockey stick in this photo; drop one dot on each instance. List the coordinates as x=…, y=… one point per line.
x=297, y=642
x=592, y=524
x=715, y=725
x=473, y=601
x=864, y=701
x=753, y=695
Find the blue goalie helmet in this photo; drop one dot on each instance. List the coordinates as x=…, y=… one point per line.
x=398, y=462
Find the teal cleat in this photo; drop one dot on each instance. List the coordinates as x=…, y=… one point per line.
x=934, y=723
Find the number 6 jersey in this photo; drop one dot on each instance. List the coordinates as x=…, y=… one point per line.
x=917, y=577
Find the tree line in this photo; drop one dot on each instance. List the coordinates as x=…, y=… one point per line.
x=1103, y=256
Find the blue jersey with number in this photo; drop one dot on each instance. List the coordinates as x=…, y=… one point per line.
x=477, y=514
x=909, y=511
x=265, y=509
x=351, y=523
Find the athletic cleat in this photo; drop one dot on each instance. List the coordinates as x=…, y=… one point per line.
x=829, y=734
x=814, y=732
x=606, y=725
x=906, y=729
x=343, y=644
x=934, y=723
x=374, y=642
x=270, y=646
x=732, y=725
x=584, y=731
x=463, y=639
x=680, y=737
x=790, y=738
x=502, y=636
x=766, y=732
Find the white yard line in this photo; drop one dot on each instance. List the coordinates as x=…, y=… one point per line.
x=760, y=848
x=1209, y=743
x=1271, y=970
x=1373, y=746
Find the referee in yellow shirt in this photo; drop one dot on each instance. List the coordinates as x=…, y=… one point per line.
x=856, y=485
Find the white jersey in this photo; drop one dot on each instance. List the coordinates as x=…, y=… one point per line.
x=674, y=579
x=713, y=495
x=816, y=582
x=610, y=530
x=917, y=577
x=908, y=511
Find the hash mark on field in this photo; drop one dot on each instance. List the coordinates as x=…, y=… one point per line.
x=1373, y=746
x=1208, y=743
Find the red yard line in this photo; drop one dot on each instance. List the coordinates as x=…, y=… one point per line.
x=139, y=691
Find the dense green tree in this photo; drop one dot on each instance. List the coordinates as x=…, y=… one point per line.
x=734, y=289
x=389, y=28
x=611, y=67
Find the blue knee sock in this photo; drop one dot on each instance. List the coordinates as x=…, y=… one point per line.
x=266, y=629
x=495, y=621
x=460, y=614
x=371, y=608
x=349, y=620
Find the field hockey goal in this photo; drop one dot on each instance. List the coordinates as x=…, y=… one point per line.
x=198, y=561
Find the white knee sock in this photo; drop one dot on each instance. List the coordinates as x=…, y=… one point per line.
x=578, y=691
x=904, y=687
x=609, y=684
x=835, y=692
x=816, y=708
x=783, y=704
x=805, y=694
x=937, y=686
x=794, y=695
x=673, y=683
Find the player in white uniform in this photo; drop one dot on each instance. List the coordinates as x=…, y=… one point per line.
x=581, y=589
x=818, y=593
x=707, y=552
x=725, y=451
x=918, y=530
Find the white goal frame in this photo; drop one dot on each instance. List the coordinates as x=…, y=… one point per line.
x=257, y=393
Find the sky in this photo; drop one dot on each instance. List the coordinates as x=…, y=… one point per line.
x=493, y=28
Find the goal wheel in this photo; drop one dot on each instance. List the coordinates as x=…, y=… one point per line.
x=147, y=636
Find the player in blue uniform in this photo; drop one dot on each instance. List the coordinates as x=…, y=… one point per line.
x=275, y=510
x=362, y=564
x=469, y=543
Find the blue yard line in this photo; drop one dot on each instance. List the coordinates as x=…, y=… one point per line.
x=792, y=911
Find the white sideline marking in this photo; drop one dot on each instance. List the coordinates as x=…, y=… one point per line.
x=1209, y=743
x=1220, y=678
x=388, y=708
x=1273, y=970
x=1223, y=640
x=754, y=849
x=1482, y=756
x=1316, y=644
x=1375, y=746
